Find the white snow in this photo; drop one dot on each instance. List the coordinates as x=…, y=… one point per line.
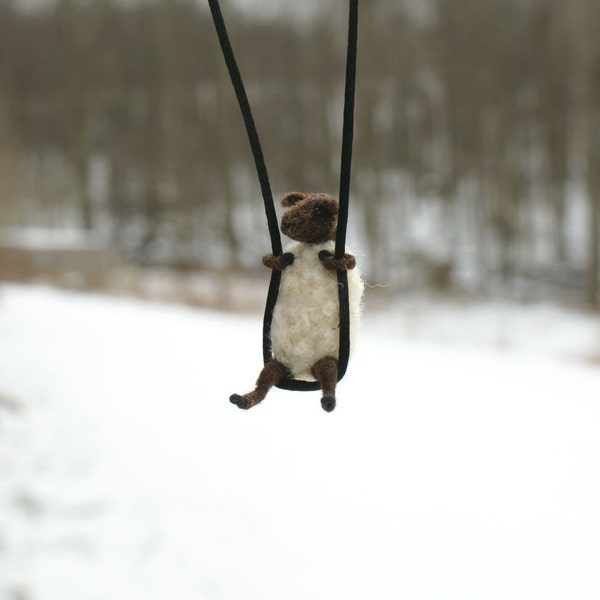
x=450, y=470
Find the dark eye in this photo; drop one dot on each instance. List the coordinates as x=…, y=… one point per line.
x=316, y=211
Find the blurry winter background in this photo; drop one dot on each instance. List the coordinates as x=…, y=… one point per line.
x=463, y=460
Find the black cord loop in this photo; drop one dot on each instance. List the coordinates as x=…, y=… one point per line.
x=344, y=191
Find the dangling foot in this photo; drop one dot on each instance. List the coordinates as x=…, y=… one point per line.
x=247, y=400
x=328, y=403
x=273, y=372
x=239, y=401
x=325, y=371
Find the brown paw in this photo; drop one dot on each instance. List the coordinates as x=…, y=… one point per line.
x=278, y=263
x=328, y=403
x=337, y=264
x=239, y=401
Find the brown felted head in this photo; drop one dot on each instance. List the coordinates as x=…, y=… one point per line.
x=310, y=218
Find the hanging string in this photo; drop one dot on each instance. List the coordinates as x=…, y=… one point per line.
x=347, y=129
x=344, y=192
x=345, y=177
x=242, y=98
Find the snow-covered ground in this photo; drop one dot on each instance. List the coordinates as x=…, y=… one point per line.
x=462, y=462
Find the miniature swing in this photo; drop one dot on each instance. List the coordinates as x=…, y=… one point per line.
x=285, y=379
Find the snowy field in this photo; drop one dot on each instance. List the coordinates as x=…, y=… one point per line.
x=462, y=462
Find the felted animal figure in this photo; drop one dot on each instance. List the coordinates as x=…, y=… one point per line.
x=305, y=325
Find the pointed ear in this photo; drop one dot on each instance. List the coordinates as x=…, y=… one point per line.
x=292, y=198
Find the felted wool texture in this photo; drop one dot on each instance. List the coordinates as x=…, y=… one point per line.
x=305, y=325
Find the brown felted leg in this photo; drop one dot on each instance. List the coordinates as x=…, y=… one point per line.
x=273, y=372
x=325, y=371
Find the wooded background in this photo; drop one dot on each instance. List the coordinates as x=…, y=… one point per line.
x=477, y=148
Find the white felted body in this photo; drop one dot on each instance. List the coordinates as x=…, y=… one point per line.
x=305, y=326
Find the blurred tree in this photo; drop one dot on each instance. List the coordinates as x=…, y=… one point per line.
x=586, y=55
x=475, y=120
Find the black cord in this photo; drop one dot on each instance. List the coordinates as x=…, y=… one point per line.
x=242, y=98
x=345, y=176
x=344, y=193
x=348, y=129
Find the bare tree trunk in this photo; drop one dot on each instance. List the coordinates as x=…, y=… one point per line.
x=225, y=157
x=76, y=100
x=593, y=188
x=585, y=48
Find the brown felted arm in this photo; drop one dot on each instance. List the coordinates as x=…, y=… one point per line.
x=337, y=264
x=278, y=263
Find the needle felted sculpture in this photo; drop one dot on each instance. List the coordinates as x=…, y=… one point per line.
x=306, y=319
x=315, y=291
